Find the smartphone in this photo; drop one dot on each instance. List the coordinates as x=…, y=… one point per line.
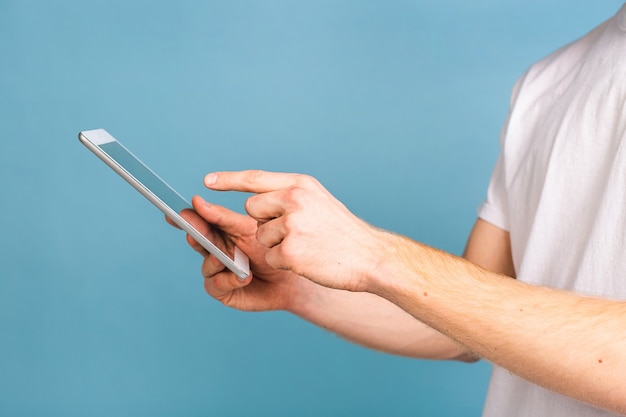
x=151, y=186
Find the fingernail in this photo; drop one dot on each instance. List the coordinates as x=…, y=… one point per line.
x=210, y=179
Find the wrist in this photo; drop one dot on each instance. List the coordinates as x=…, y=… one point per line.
x=392, y=263
x=301, y=295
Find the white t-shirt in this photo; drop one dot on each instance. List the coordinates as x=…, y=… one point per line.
x=559, y=188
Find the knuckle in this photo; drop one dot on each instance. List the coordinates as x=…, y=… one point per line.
x=210, y=267
x=290, y=223
x=296, y=227
x=254, y=175
x=286, y=251
x=296, y=195
x=274, y=258
x=211, y=289
x=302, y=179
x=220, y=284
x=206, y=270
x=214, y=288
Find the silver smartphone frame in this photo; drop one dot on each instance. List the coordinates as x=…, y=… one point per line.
x=92, y=139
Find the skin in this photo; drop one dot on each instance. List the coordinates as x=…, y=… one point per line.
x=311, y=256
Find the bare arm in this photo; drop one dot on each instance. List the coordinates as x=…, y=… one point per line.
x=562, y=341
x=362, y=318
x=374, y=322
x=489, y=247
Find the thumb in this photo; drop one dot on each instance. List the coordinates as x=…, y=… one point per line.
x=231, y=222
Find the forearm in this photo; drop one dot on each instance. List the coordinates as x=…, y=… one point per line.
x=565, y=342
x=371, y=321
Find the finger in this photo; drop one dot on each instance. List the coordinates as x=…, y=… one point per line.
x=224, y=219
x=264, y=207
x=222, y=285
x=211, y=266
x=253, y=181
x=275, y=257
x=171, y=222
x=203, y=227
x=271, y=233
x=196, y=246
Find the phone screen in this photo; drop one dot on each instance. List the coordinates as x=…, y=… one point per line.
x=148, y=183
x=145, y=175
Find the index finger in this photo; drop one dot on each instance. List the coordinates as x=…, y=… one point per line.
x=252, y=181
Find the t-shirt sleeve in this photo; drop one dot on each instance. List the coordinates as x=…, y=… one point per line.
x=494, y=209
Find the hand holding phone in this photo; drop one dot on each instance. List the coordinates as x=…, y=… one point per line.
x=157, y=191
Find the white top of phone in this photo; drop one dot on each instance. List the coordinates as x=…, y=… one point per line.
x=151, y=186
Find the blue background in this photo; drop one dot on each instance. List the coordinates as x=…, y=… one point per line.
x=396, y=106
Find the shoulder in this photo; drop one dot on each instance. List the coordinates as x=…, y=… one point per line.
x=564, y=63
